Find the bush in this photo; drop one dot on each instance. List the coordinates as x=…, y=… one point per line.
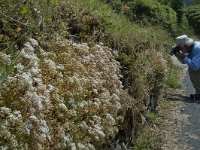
x=193, y=15
x=157, y=13
x=172, y=76
x=69, y=91
x=147, y=11
x=68, y=96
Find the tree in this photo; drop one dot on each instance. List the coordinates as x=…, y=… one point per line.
x=196, y=2
x=178, y=5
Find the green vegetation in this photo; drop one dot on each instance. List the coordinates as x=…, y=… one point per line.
x=93, y=22
x=148, y=140
x=196, y=2
x=178, y=6
x=81, y=72
x=173, y=76
x=193, y=15
x=152, y=118
x=147, y=12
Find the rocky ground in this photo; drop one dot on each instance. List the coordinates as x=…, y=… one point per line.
x=181, y=118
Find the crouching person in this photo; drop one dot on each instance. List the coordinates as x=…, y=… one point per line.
x=189, y=53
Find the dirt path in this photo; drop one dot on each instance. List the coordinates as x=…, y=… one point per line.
x=181, y=129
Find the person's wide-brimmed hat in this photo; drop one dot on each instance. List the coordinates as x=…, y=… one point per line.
x=183, y=39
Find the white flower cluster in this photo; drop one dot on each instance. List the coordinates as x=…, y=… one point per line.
x=33, y=98
x=68, y=96
x=4, y=58
x=9, y=120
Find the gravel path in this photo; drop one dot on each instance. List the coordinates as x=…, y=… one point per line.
x=191, y=132
x=182, y=129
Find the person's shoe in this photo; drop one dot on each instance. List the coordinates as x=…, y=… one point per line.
x=195, y=96
x=192, y=96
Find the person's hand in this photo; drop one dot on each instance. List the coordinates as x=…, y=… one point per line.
x=180, y=55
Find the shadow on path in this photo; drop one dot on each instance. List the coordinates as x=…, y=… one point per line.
x=180, y=97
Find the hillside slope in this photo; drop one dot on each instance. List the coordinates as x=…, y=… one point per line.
x=76, y=75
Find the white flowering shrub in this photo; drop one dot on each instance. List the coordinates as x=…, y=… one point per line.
x=64, y=97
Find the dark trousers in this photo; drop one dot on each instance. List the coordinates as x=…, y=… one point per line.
x=195, y=78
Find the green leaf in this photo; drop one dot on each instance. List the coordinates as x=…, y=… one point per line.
x=23, y=11
x=48, y=19
x=53, y=2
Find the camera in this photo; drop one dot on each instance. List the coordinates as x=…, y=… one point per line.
x=174, y=50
